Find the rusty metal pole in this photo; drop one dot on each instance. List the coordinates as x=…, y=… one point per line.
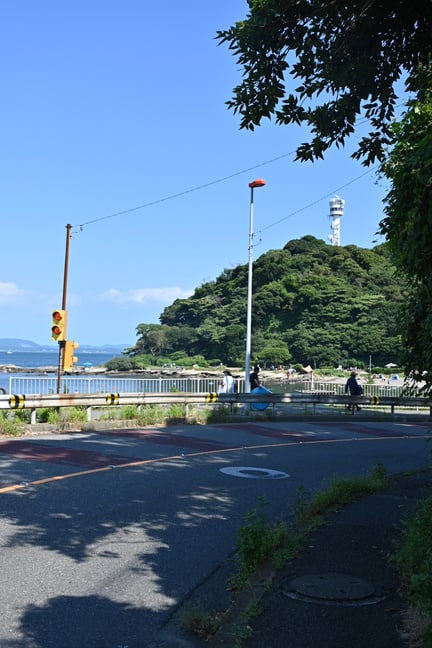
x=64, y=299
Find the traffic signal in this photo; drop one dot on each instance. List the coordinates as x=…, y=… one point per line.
x=69, y=358
x=58, y=325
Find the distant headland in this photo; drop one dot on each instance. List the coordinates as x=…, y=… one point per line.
x=9, y=345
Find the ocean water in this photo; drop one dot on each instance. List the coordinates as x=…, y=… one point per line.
x=36, y=359
x=42, y=360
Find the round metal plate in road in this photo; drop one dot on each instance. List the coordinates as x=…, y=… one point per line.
x=332, y=589
x=254, y=473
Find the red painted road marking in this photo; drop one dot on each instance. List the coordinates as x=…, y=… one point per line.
x=269, y=432
x=311, y=435
x=60, y=455
x=57, y=454
x=168, y=439
x=142, y=462
x=379, y=432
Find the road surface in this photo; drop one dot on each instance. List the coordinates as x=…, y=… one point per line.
x=105, y=535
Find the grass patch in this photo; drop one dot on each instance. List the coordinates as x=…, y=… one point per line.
x=75, y=415
x=201, y=623
x=414, y=564
x=10, y=426
x=22, y=416
x=339, y=493
x=128, y=412
x=150, y=415
x=48, y=415
x=260, y=538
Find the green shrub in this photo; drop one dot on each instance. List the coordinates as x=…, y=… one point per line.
x=119, y=364
x=221, y=413
x=414, y=563
x=330, y=371
x=22, y=415
x=127, y=412
x=75, y=414
x=8, y=426
x=203, y=624
x=341, y=492
x=150, y=415
x=176, y=412
x=48, y=415
x=258, y=538
x=112, y=413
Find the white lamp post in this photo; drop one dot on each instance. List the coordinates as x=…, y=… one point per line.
x=252, y=185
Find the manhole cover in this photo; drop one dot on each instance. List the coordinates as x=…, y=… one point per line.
x=332, y=588
x=254, y=473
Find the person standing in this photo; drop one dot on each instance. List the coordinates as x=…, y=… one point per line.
x=253, y=378
x=227, y=384
x=353, y=387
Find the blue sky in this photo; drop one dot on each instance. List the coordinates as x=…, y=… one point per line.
x=109, y=106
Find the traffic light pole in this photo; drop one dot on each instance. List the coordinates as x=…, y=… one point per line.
x=64, y=299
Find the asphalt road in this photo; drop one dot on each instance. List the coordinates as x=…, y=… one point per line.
x=105, y=535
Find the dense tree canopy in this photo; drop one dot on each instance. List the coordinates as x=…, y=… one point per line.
x=323, y=64
x=313, y=304
x=408, y=226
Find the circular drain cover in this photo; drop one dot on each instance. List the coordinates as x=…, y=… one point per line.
x=330, y=587
x=253, y=473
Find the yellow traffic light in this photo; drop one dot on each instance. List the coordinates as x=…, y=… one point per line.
x=58, y=325
x=69, y=358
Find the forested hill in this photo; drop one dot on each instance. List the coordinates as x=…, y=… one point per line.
x=313, y=304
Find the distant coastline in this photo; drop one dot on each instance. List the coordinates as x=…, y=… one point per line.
x=17, y=345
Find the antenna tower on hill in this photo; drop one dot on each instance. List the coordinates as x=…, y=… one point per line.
x=336, y=212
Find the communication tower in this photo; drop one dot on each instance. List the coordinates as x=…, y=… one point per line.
x=336, y=211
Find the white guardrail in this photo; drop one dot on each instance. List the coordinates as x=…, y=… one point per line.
x=103, y=384
x=162, y=384
x=241, y=400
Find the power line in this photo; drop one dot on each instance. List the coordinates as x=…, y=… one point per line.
x=315, y=202
x=223, y=179
x=187, y=191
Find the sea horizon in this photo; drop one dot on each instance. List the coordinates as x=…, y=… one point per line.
x=40, y=359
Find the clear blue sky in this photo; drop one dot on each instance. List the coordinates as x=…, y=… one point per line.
x=108, y=106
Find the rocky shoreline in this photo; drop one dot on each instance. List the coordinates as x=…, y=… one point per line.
x=171, y=372
x=86, y=371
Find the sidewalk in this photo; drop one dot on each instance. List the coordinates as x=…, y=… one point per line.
x=341, y=591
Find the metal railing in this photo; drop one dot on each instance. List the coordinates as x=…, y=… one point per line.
x=100, y=385
x=162, y=385
x=237, y=403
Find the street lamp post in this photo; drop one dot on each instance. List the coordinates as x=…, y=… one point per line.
x=252, y=185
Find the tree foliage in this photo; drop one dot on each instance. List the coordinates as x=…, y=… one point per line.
x=408, y=225
x=323, y=64
x=312, y=304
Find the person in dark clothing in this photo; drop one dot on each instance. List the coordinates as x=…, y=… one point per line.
x=353, y=388
x=253, y=378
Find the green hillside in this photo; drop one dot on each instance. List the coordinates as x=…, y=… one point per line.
x=313, y=304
